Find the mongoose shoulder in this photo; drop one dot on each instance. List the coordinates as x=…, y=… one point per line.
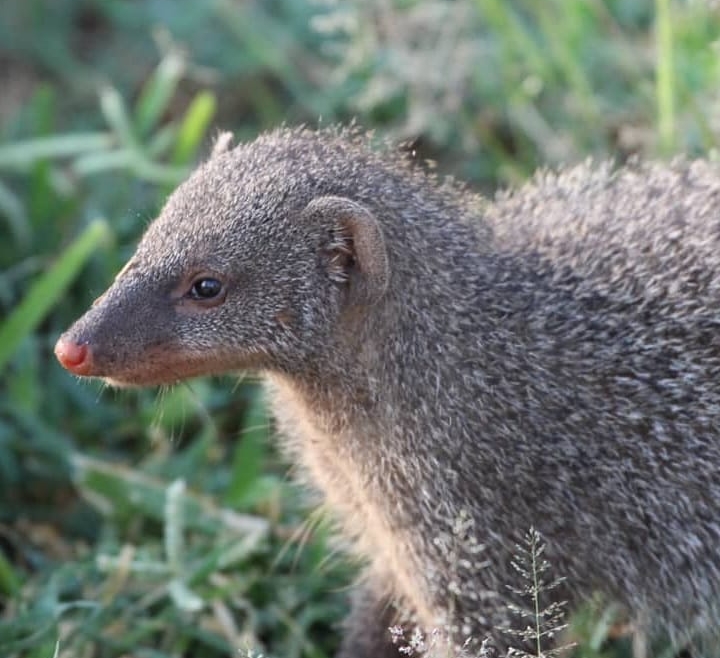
x=437, y=361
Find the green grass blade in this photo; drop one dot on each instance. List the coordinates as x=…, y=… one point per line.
x=158, y=92
x=21, y=155
x=665, y=82
x=250, y=453
x=48, y=288
x=116, y=114
x=194, y=126
x=93, y=163
x=11, y=208
x=9, y=581
x=123, y=491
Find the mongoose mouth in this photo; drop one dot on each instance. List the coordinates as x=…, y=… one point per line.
x=156, y=366
x=78, y=358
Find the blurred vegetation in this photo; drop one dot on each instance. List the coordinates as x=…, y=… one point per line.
x=151, y=524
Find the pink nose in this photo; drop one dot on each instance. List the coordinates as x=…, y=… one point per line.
x=74, y=357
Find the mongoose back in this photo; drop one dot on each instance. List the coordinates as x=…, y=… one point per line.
x=451, y=371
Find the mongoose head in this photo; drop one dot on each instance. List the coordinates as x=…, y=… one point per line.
x=252, y=264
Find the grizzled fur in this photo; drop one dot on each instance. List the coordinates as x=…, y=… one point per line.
x=451, y=372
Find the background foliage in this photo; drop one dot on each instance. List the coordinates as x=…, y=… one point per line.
x=151, y=524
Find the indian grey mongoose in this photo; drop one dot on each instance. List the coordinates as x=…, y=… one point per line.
x=436, y=360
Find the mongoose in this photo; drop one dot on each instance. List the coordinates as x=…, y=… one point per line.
x=435, y=361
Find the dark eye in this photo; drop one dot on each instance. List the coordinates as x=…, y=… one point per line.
x=206, y=288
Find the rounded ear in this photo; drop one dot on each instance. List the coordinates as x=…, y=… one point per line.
x=354, y=254
x=223, y=143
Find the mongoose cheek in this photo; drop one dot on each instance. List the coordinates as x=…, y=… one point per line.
x=73, y=356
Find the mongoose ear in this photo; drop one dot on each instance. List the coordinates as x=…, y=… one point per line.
x=354, y=253
x=223, y=142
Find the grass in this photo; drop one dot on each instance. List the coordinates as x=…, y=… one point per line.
x=48, y=287
x=151, y=524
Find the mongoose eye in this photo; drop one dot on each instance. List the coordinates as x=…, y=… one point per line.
x=206, y=288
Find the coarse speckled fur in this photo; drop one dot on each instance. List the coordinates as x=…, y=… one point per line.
x=548, y=359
